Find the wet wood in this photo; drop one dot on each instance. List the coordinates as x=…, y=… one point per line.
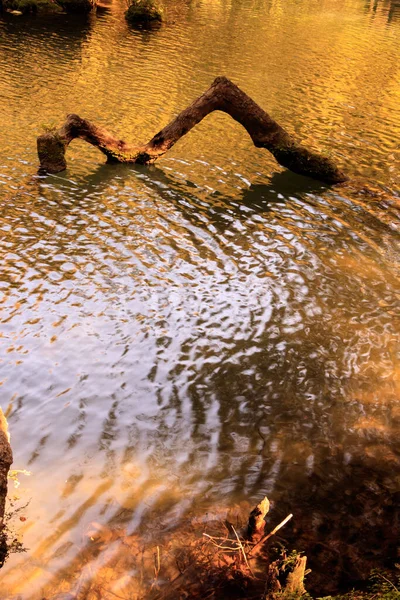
x=257, y=547
x=256, y=524
x=285, y=579
x=295, y=580
x=222, y=95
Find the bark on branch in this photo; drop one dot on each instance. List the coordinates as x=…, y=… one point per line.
x=222, y=95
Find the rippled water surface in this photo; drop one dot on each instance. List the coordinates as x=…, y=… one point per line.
x=213, y=328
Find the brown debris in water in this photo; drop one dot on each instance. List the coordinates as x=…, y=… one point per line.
x=205, y=557
x=219, y=565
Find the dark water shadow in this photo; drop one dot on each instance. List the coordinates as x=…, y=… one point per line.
x=146, y=29
x=67, y=32
x=260, y=198
x=283, y=185
x=346, y=515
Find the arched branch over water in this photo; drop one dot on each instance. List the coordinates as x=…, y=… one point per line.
x=222, y=95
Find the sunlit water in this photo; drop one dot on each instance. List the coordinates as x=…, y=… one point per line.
x=211, y=329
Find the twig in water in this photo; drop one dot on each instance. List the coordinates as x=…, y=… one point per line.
x=157, y=565
x=210, y=537
x=266, y=537
x=388, y=581
x=242, y=550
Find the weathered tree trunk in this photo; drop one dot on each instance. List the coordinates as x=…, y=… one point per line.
x=223, y=95
x=6, y=459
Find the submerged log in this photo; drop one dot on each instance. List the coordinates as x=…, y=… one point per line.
x=222, y=95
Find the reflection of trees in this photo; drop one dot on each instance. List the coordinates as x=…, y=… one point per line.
x=387, y=8
x=63, y=27
x=394, y=10
x=289, y=420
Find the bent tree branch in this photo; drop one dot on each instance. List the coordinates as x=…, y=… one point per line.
x=222, y=95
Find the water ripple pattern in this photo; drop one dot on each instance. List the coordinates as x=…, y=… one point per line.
x=213, y=328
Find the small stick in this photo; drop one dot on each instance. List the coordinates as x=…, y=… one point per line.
x=242, y=549
x=218, y=545
x=266, y=537
x=388, y=580
x=157, y=566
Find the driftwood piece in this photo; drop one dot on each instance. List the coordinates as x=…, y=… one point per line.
x=222, y=95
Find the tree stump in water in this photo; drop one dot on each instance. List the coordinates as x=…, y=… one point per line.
x=285, y=575
x=285, y=579
x=256, y=523
x=222, y=95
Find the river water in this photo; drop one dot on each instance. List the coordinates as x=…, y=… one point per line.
x=196, y=334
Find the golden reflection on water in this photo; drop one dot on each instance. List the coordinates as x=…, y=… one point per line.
x=213, y=329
